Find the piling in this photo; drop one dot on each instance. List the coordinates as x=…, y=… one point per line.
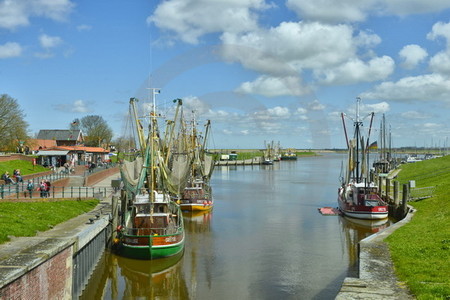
x=404, y=207
x=115, y=215
x=396, y=198
x=380, y=185
x=388, y=190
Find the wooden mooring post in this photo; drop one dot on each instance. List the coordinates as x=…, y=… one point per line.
x=396, y=193
x=404, y=207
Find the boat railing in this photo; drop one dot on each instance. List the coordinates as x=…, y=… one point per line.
x=151, y=231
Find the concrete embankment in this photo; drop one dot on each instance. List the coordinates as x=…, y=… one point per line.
x=377, y=279
x=55, y=264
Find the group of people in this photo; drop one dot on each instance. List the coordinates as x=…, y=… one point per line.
x=16, y=174
x=43, y=188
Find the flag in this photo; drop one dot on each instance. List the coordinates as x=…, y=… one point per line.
x=374, y=145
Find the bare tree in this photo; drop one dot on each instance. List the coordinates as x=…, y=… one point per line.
x=97, y=132
x=13, y=127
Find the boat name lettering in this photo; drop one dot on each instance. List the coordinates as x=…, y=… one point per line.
x=171, y=239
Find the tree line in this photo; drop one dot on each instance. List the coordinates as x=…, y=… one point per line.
x=13, y=127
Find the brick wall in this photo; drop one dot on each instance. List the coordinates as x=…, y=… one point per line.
x=50, y=280
x=15, y=157
x=98, y=176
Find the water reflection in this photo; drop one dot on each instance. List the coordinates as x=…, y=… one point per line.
x=264, y=239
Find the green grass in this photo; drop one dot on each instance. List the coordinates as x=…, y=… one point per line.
x=249, y=155
x=421, y=249
x=26, y=167
x=306, y=153
x=27, y=218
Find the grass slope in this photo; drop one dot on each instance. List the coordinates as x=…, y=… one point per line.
x=421, y=249
x=25, y=167
x=26, y=218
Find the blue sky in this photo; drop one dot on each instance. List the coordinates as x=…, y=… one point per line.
x=259, y=70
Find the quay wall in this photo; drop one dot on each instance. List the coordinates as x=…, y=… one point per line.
x=46, y=264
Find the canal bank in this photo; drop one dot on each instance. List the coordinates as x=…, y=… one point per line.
x=56, y=264
x=377, y=279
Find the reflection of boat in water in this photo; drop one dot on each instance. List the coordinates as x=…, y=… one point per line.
x=354, y=231
x=372, y=225
x=197, y=221
x=118, y=277
x=153, y=279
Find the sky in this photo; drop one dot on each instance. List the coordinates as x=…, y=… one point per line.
x=261, y=71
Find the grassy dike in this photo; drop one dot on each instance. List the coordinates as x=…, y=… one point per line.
x=420, y=250
x=27, y=218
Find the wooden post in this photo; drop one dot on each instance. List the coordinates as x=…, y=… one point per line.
x=380, y=186
x=405, y=200
x=396, y=192
x=388, y=190
x=115, y=215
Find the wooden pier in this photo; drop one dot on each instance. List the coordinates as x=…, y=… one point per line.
x=240, y=162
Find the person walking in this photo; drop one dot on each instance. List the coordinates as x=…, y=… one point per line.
x=43, y=189
x=47, y=187
x=30, y=188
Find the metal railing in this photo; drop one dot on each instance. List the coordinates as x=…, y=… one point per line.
x=85, y=260
x=58, y=192
x=6, y=190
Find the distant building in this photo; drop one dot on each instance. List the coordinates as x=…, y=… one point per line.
x=63, y=137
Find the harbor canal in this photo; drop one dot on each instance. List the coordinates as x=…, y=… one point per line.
x=264, y=239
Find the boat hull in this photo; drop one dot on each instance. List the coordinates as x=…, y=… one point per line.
x=363, y=212
x=151, y=247
x=196, y=205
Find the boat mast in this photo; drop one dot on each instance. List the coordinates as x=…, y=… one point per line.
x=357, y=124
x=152, y=145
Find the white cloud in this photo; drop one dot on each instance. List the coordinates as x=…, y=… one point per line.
x=78, y=106
x=278, y=111
x=316, y=105
x=440, y=63
x=290, y=47
x=14, y=14
x=190, y=19
x=412, y=55
x=377, y=108
x=84, y=27
x=422, y=88
x=407, y=7
x=356, y=70
x=47, y=41
x=414, y=115
x=10, y=49
x=274, y=86
x=332, y=11
x=440, y=29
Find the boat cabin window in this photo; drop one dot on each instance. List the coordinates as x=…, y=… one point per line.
x=143, y=208
x=371, y=203
x=160, y=208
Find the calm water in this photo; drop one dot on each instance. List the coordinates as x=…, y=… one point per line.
x=265, y=239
